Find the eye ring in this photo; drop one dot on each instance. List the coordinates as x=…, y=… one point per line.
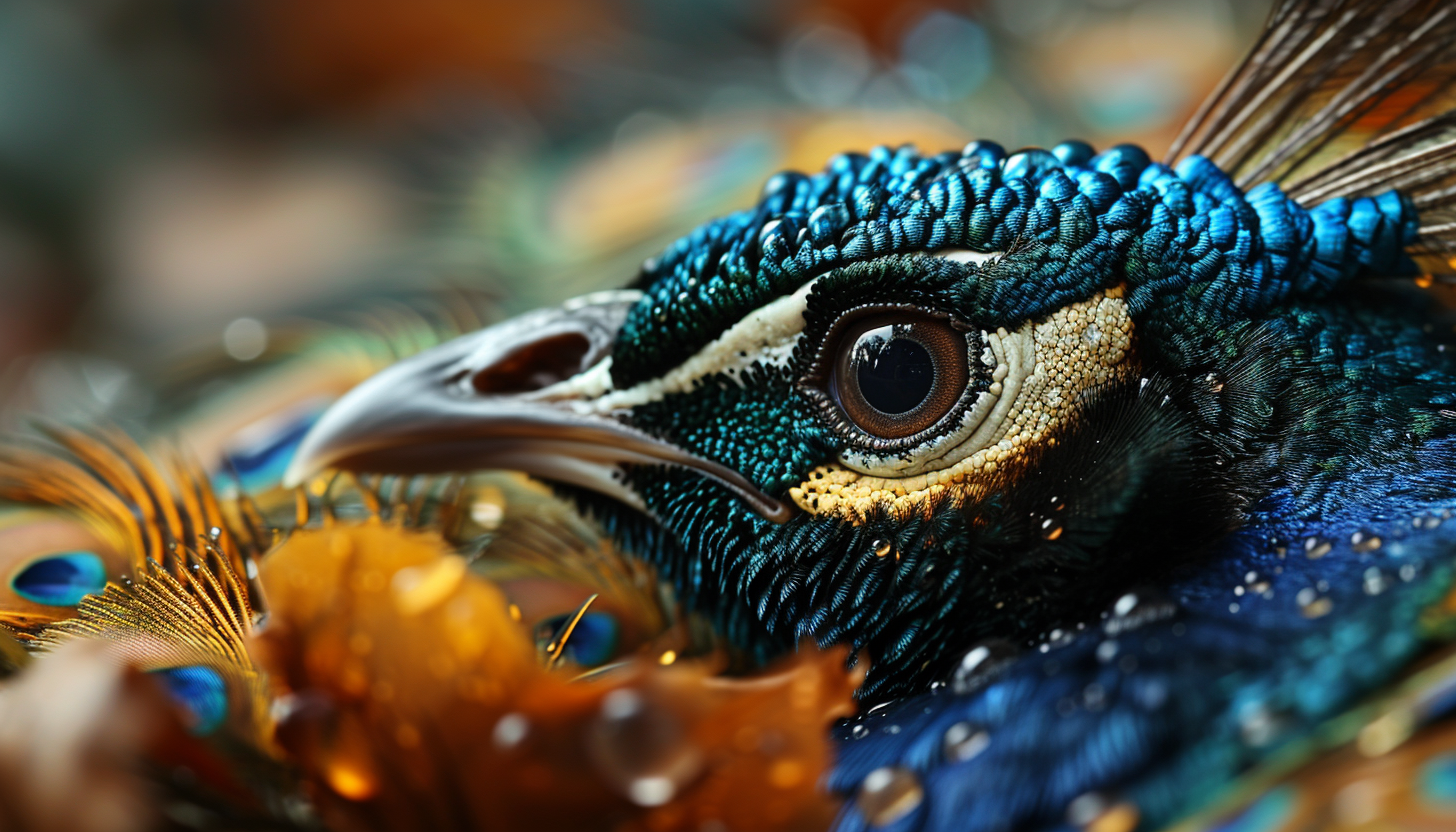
x=898, y=373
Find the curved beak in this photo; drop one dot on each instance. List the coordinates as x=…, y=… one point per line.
x=505, y=398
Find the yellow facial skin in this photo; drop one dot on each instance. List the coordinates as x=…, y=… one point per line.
x=1052, y=364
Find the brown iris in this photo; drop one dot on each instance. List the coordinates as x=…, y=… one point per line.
x=898, y=373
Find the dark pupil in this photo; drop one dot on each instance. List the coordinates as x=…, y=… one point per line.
x=895, y=374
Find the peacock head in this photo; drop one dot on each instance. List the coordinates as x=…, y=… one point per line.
x=911, y=403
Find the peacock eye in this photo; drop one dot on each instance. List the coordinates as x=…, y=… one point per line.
x=898, y=373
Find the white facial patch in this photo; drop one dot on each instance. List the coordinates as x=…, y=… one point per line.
x=965, y=255
x=766, y=336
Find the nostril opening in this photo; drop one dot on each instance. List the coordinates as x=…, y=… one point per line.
x=535, y=365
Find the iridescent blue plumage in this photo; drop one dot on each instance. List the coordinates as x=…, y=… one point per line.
x=1179, y=495
x=1175, y=690
x=1187, y=236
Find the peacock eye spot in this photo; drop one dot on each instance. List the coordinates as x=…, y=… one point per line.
x=591, y=642
x=899, y=373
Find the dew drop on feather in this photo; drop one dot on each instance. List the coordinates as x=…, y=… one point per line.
x=888, y=794
x=643, y=750
x=963, y=741
x=980, y=664
x=1363, y=542
x=510, y=730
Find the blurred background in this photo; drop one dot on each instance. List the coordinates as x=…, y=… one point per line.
x=181, y=178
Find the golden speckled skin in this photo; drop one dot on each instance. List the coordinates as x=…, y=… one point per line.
x=1075, y=350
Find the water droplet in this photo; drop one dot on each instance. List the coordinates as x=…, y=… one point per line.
x=245, y=339
x=1125, y=604
x=1086, y=809
x=1051, y=529
x=510, y=730
x=859, y=731
x=1215, y=384
x=981, y=664
x=925, y=578
x=642, y=751
x=1362, y=542
x=1311, y=604
x=882, y=547
x=1259, y=725
x=1315, y=548
x=1408, y=572
x=1134, y=610
x=964, y=740
x=651, y=791
x=1107, y=650
x=888, y=794
x=1374, y=582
